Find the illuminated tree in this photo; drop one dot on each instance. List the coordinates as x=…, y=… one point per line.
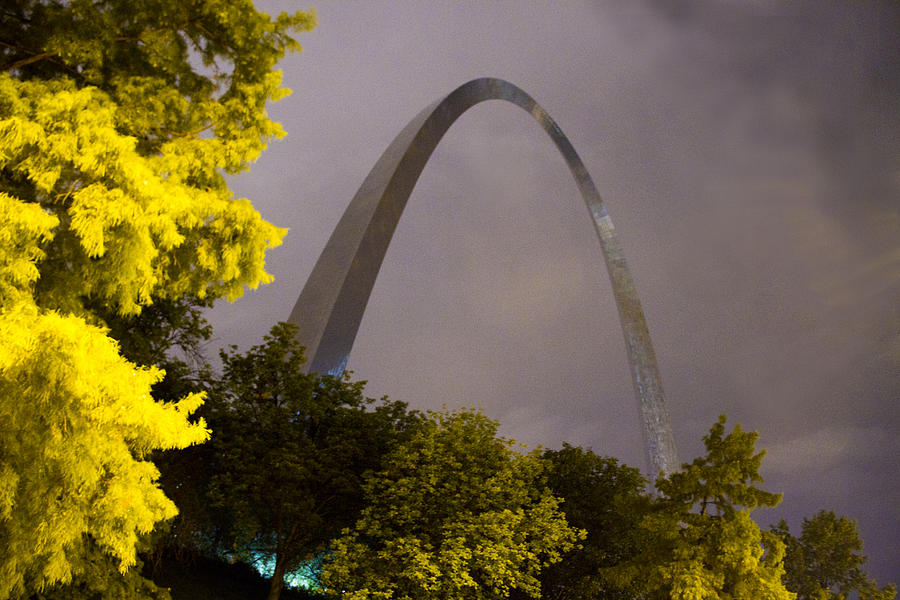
x=117, y=122
x=699, y=540
x=78, y=423
x=455, y=513
x=825, y=562
x=286, y=460
x=168, y=334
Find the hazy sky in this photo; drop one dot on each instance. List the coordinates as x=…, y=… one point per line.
x=749, y=155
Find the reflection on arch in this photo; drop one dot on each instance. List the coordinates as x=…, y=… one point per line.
x=331, y=305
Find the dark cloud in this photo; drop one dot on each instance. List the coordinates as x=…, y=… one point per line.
x=748, y=153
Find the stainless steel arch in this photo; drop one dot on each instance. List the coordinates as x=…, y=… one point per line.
x=331, y=305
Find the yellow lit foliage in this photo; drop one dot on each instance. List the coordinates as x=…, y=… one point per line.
x=77, y=421
x=130, y=227
x=118, y=122
x=456, y=513
x=698, y=539
x=23, y=230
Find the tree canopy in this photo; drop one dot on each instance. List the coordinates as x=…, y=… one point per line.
x=608, y=501
x=285, y=464
x=78, y=422
x=118, y=121
x=699, y=540
x=455, y=513
x=826, y=562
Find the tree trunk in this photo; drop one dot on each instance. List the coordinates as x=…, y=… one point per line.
x=277, y=578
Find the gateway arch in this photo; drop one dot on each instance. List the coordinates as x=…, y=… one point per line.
x=331, y=306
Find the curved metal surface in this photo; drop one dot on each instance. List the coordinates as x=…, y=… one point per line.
x=331, y=305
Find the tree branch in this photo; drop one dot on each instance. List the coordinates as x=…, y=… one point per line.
x=191, y=133
x=27, y=61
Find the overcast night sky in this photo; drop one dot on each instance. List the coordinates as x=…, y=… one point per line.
x=748, y=153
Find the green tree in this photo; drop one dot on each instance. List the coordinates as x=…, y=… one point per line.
x=118, y=121
x=288, y=452
x=699, y=540
x=605, y=499
x=167, y=331
x=455, y=513
x=825, y=562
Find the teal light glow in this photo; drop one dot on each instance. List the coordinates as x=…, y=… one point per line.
x=306, y=576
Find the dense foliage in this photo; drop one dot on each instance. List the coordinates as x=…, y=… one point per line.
x=608, y=501
x=826, y=561
x=699, y=541
x=455, y=513
x=115, y=140
x=118, y=120
x=282, y=474
x=78, y=422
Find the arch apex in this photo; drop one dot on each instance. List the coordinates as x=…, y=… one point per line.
x=331, y=306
